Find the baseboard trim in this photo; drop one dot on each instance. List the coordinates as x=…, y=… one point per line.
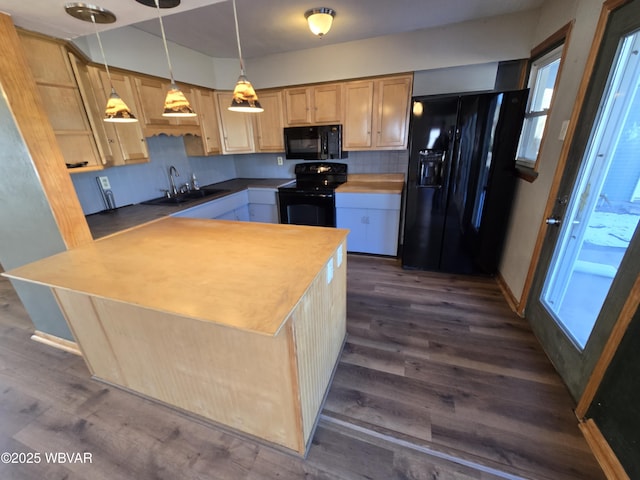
x=56, y=342
x=605, y=456
x=511, y=299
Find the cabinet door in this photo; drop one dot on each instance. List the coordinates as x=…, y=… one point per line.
x=392, y=117
x=358, y=115
x=327, y=103
x=382, y=231
x=208, y=142
x=269, y=124
x=297, y=103
x=236, y=130
x=47, y=60
x=130, y=137
x=355, y=220
x=62, y=101
x=208, y=120
x=152, y=93
x=95, y=102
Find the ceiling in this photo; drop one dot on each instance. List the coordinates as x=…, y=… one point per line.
x=266, y=26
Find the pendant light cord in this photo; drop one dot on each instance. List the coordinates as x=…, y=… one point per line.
x=235, y=17
x=104, y=57
x=164, y=40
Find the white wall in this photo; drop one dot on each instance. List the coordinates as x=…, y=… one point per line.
x=531, y=198
x=478, y=42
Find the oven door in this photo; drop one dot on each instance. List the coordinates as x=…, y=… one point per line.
x=307, y=208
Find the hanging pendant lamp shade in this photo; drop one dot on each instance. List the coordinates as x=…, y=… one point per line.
x=244, y=98
x=116, y=110
x=175, y=103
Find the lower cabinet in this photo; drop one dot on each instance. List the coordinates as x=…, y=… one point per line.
x=251, y=205
x=373, y=220
x=263, y=205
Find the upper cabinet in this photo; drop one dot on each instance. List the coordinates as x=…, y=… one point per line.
x=208, y=142
x=236, y=128
x=391, y=112
x=251, y=132
x=118, y=143
x=376, y=113
x=318, y=104
x=269, y=124
x=152, y=92
x=62, y=101
x=358, y=115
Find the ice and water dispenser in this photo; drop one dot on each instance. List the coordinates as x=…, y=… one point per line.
x=431, y=163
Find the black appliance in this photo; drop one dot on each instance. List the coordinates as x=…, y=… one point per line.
x=319, y=142
x=461, y=180
x=311, y=199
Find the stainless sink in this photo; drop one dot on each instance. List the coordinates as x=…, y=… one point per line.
x=183, y=198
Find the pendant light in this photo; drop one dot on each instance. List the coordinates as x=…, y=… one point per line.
x=244, y=98
x=116, y=110
x=175, y=103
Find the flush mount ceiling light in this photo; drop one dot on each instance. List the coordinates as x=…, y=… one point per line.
x=320, y=20
x=116, y=110
x=175, y=103
x=244, y=98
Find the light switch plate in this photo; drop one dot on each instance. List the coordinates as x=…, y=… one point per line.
x=563, y=130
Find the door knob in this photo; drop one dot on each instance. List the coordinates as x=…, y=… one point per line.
x=553, y=221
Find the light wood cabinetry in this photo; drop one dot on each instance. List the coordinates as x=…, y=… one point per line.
x=118, y=143
x=208, y=142
x=269, y=124
x=376, y=113
x=62, y=101
x=152, y=92
x=251, y=132
x=319, y=104
x=358, y=115
x=236, y=128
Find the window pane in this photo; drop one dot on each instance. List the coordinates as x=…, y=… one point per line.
x=544, y=83
x=531, y=137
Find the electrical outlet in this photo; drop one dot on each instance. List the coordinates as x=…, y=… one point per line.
x=279, y=160
x=104, y=181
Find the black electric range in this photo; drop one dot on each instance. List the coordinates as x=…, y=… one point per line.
x=311, y=199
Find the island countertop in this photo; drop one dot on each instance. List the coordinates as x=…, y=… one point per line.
x=243, y=275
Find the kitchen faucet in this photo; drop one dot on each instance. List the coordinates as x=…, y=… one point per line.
x=172, y=171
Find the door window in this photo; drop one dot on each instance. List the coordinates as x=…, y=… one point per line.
x=603, y=211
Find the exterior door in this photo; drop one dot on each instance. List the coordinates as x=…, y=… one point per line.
x=591, y=254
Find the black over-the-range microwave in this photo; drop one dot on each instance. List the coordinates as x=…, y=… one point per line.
x=316, y=142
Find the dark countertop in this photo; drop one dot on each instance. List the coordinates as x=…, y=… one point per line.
x=105, y=223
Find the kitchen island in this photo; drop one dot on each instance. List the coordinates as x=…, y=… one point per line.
x=238, y=323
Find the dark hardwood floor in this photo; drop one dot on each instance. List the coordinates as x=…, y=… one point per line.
x=438, y=380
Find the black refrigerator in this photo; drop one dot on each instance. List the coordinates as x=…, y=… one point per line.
x=461, y=180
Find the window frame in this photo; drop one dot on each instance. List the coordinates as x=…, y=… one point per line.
x=528, y=170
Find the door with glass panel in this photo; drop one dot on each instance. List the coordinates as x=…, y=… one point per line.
x=590, y=255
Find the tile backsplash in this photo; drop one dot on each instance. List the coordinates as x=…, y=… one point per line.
x=135, y=183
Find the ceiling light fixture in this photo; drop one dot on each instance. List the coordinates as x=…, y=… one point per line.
x=116, y=110
x=320, y=20
x=175, y=103
x=244, y=98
